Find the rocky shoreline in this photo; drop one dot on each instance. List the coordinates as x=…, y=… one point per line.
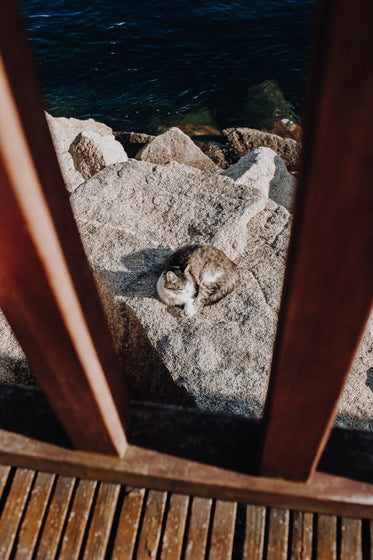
x=138, y=197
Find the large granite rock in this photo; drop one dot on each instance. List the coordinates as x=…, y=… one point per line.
x=174, y=145
x=265, y=170
x=131, y=216
x=91, y=152
x=63, y=132
x=245, y=140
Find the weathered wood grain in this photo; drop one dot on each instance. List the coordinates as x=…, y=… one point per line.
x=223, y=527
x=55, y=518
x=46, y=287
x=254, y=532
x=328, y=285
x=150, y=532
x=302, y=534
x=100, y=527
x=326, y=537
x=278, y=534
x=13, y=510
x=4, y=474
x=77, y=520
x=33, y=517
x=197, y=532
x=128, y=524
x=172, y=541
x=351, y=539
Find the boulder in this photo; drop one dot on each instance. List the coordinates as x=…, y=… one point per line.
x=245, y=140
x=174, y=145
x=265, y=170
x=63, y=132
x=132, y=142
x=91, y=152
x=131, y=217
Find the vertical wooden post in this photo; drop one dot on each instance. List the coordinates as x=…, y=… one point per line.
x=329, y=278
x=47, y=290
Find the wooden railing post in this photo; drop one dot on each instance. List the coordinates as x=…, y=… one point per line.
x=329, y=279
x=47, y=291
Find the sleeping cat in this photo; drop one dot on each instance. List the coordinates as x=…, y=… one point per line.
x=196, y=275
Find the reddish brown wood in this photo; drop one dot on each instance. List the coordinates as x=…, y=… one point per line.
x=77, y=520
x=55, y=518
x=4, y=473
x=128, y=525
x=100, y=528
x=162, y=471
x=222, y=536
x=13, y=510
x=278, y=534
x=329, y=278
x=152, y=525
x=33, y=518
x=198, y=529
x=326, y=537
x=172, y=542
x=351, y=539
x=254, y=532
x=46, y=288
x=302, y=533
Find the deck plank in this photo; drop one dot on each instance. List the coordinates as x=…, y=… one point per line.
x=302, y=533
x=4, y=474
x=198, y=529
x=351, y=539
x=100, y=528
x=278, y=534
x=125, y=538
x=55, y=518
x=77, y=520
x=34, y=515
x=254, y=532
x=172, y=542
x=222, y=536
x=13, y=510
x=326, y=537
x=150, y=532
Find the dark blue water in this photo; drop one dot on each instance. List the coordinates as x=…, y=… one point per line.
x=143, y=64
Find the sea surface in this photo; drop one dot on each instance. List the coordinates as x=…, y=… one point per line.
x=144, y=65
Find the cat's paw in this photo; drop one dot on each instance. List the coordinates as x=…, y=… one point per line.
x=189, y=310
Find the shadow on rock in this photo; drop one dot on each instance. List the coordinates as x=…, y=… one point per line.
x=139, y=274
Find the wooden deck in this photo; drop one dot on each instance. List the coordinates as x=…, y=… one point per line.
x=46, y=516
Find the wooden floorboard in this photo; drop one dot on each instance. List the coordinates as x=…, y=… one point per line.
x=172, y=542
x=46, y=517
x=301, y=536
x=125, y=538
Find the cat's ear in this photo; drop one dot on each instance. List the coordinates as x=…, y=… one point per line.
x=170, y=276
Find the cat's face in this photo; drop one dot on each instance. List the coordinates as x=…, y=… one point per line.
x=174, y=280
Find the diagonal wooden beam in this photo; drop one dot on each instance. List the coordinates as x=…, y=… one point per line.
x=329, y=278
x=47, y=290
